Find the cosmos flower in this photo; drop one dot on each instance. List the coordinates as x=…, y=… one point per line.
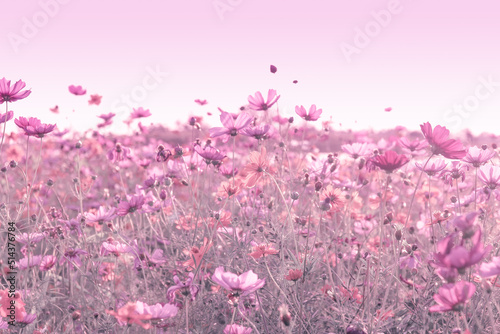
x=413, y=147
x=245, y=283
x=48, y=262
x=140, y=113
x=490, y=269
x=237, y=329
x=128, y=315
x=312, y=115
x=257, y=102
x=102, y=216
x=7, y=116
x=440, y=144
x=12, y=94
x=34, y=127
x=209, y=153
x=231, y=126
x=77, y=90
x=201, y=102
x=157, y=311
x=262, y=251
x=294, y=275
x=389, y=161
x=433, y=167
x=186, y=288
x=453, y=297
x=256, y=168
x=490, y=175
x=257, y=132
x=477, y=156
x=95, y=99
x=357, y=150
x=131, y=205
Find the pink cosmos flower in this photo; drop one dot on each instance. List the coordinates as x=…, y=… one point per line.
x=440, y=144
x=257, y=102
x=456, y=172
x=107, y=117
x=95, y=99
x=114, y=248
x=466, y=223
x=357, y=150
x=257, y=132
x=101, y=216
x=237, y=329
x=48, y=262
x=132, y=204
x=312, y=115
x=477, y=156
x=490, y=175
x=77, y=90
x=128, y=315
x=140, y=113
x=72, y=255
x=389, y=161
x=209, y=154
x=157, y=311
x=415, y=147
x=186, y=288
x=262, y=251
x=453, y=297
x=12, y=94
x=245, y=283
x=490, y=269
x=253, y=171
x=459, y=257
x=7, y=116
x=231, y=126
x=432, y=167
x=201, y=102
x=33, y=126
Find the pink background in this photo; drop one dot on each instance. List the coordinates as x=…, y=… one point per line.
x=429, y=56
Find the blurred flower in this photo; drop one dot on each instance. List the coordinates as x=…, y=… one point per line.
x=107, y=117
x=101, y=216
x=245, y=283
x=490, y=175
x=477, y=156
x=389, y=161
x=201, y=102
x=48, y=262
x=453, y=297
x=95, y=99
x=257, y=102
x=262, y=251
x=294, y=275
x=237, y=329
x=415, y=147
x=440, y=144
x=254, y=170
x=77, y=90
x=490, y=269
x=140, y=113
x=465, y=223
x=186, y=288
x=456, y=172
x=312, y=115
x=132, y=204
x=7, y=116
x=432, y=168
x=273, y=69
x=209, y=153
x=34, y=127
x=12, y=94
x=231, y=126
x=72, y=255
x=357, y=150
x=157, y=311
x=128, y=315
x=257, y=132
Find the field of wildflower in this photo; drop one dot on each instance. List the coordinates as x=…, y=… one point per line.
x=263, y=224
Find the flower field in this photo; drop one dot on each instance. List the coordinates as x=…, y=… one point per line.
x=261, y=224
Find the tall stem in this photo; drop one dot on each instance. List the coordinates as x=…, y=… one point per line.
x=415, y=191
x=4, y=127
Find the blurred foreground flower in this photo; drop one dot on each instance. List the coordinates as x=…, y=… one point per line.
x=453, y=297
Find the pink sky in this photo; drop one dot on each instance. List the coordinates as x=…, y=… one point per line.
x=429, y=61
